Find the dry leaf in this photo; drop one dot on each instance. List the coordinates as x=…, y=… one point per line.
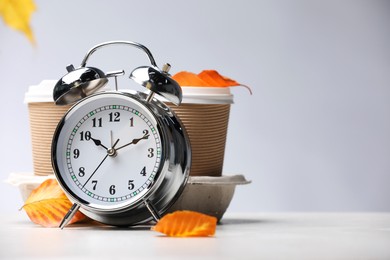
x=207, y=78
x=17, y=13
x=216, y=79
x=185, y=78
x=186, y=224
x=47, y=205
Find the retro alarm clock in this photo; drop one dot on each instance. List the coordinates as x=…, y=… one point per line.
x=122, y=158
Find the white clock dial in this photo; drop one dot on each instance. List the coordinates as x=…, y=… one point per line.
x=109, y=152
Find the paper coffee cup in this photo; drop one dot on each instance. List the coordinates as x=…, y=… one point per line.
x=204, y=113
x=44, y=116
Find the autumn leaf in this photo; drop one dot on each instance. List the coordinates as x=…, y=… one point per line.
x=185, y=78
x=216, y=79
x=47, y=205
x=16, y=14
x=186, y=224
x=206, y=78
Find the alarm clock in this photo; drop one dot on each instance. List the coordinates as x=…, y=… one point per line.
x=122, y=158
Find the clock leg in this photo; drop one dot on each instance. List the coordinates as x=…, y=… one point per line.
x=152, y=210
x=69, y=215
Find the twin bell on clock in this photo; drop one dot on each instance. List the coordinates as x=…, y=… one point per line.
x=122, y=158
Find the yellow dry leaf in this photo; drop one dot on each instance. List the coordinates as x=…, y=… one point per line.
x=47, y=205
x=16, y=14
x=186, y=223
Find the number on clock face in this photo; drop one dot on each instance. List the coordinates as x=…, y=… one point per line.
x=113, y=153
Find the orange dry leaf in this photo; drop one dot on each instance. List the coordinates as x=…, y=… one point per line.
x=186, y=224
x=207, y=78
x=216, y=79
x=16, y=14
x=185, y=78
x=47, y=205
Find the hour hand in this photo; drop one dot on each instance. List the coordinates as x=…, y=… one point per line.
x=98, y=143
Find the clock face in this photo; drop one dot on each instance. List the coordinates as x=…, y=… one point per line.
x=108, y=150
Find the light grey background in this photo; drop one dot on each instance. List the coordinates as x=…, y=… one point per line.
x=314, y=136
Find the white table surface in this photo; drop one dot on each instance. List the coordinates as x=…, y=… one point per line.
x=239, y=236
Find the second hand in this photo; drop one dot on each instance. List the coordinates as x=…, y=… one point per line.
x=105, y=157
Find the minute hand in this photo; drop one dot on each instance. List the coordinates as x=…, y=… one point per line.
x=135, y=141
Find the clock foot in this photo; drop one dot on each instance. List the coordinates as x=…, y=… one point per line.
x=152, y=210
x=69, y=215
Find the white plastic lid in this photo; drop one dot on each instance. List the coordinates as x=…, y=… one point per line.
x=43, y=92
x=207, y=95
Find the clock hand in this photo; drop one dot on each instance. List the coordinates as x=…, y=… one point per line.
x=135, y=141
x=105, y=157
x=109, y=153
x=98, y=143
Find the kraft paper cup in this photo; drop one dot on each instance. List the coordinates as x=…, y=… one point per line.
x=44, y=116
x=204, y=113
